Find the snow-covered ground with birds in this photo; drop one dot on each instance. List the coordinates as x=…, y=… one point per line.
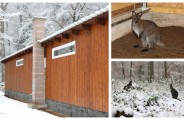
x=146, y=99
x=14, y=110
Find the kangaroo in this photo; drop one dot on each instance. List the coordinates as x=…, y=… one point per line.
x=128, y=86
x=147, y=31
x=174, y=92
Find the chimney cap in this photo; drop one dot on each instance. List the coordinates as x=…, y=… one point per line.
x=37, y=17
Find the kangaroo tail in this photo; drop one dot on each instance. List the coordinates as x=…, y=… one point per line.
x=160, y=44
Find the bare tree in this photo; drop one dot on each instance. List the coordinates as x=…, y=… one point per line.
x=140, y=72
x=131, y=71
x=123, y=70
x=3, y=7
x=150, y=71
x=165, y=70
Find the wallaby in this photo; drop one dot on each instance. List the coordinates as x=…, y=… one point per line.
x=147, y=31
x=128, y=86
x=174, y=92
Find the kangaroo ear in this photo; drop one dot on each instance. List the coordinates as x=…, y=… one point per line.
x=140, y=14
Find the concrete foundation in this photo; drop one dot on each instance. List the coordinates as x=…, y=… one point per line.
x=36, y=106
x=72, y=110
x=18, y=95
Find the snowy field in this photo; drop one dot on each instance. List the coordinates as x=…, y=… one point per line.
x=14, y=110
x=146, y=99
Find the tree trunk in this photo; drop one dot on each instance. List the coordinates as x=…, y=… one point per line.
x=131, y=70
x=151, y=71
x=148, y=75
x=123, y=70
x=140, y=72
x=165, y=70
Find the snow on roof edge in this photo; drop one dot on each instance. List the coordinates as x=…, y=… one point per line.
x=16, y=52
x=62, y=30
x=75, y=23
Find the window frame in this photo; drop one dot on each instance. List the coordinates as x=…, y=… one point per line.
x=17, y=61
x=73, y=43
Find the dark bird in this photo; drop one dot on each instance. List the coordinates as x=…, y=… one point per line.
x=174, y=92
x=128, y=86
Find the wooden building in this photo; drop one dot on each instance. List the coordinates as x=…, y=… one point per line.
x=67, y=72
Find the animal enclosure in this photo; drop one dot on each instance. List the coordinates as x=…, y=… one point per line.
x=168, y=16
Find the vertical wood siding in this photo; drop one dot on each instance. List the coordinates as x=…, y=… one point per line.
x=81, y=79
x=19, y=78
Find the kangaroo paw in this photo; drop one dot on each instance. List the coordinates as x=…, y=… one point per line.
x=136, y=46
x=145, y=50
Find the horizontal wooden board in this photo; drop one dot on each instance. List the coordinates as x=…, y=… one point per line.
x=177, y=8
x=121, y=8
x=167, y=5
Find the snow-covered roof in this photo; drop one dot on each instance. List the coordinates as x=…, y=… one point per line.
x=75, y=24
x=28, y=47
x=62, y=30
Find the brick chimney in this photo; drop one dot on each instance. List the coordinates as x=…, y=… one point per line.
x=38, y=73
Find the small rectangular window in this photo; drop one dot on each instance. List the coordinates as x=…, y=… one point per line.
x=20, y=62
x=64, y=50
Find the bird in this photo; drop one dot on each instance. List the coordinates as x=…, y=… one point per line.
x=174, y=92
x=128, y=86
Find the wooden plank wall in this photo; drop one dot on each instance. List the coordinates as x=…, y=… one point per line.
x=177, y=8
x=117, y=6
x=19, y=78
x=81, y=79
x=121, y=8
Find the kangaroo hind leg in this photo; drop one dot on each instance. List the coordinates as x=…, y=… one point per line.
x=144, y=44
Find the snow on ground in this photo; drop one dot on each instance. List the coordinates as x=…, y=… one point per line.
x=146, y=100
x=14, y=110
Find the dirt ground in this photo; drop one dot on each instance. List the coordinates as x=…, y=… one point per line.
x=172, y=37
